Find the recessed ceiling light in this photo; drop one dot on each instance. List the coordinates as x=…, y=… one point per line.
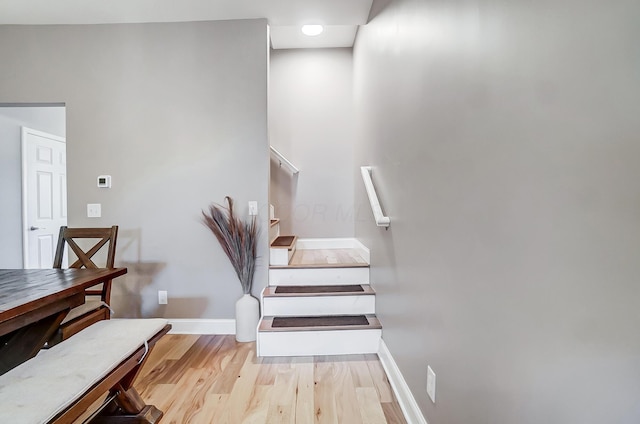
x=312, y=30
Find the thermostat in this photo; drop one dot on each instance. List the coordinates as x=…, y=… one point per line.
x=104, y=181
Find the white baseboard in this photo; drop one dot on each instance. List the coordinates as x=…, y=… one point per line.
x=325, y=243
x=203, y=326
x=334, y=243
x=362, y=249
x=407, y=402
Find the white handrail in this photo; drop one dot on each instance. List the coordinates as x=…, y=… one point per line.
x=283, y=161
x=381, y=220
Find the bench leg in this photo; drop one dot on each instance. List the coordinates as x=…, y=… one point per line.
x=149, y=415
x=128, y=408
x=129, y=400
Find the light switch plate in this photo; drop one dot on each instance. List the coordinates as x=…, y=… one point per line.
x=162, y=297
x=94, y=210
x=253, y=208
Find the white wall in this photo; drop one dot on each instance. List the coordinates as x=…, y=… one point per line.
x=504, y=140
x=311, y=123
x=176, y=113
x=12, y=119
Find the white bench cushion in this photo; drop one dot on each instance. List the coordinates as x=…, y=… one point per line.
x=39, y=389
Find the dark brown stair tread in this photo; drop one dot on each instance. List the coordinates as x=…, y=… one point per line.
x=319, y=289
x=274, y=222
x=312, y=291
x=283, y=241
x=372, y=323
x=325, y=321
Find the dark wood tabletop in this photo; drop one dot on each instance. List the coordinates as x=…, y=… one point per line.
x=33, y=302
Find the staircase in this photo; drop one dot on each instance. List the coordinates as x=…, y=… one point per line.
x=319, y=301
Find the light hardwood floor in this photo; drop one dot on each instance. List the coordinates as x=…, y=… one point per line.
x=214, y=379
x=327, y=258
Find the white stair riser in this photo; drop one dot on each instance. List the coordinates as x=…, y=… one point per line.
x=280, y=256
x=318, y=276
x=307, y=343
x=319, y=305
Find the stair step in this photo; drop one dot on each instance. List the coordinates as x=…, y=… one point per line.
x=274, y=222
x=326, y=258
x=297, y=276
x=327, y=335
x=320, y=323
x=282, y=250
x=320, y=290
x=318, y=300
x=284, y=242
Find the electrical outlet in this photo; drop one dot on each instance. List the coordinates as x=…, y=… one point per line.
x=162, y=297
x=431, y=384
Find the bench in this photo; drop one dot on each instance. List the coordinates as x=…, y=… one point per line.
x=59, y=384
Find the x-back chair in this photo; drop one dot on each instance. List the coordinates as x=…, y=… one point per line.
x=96, y=306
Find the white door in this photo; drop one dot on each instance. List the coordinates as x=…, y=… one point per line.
x=44, y=195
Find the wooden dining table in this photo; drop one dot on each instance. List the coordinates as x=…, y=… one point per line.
x=33, y=303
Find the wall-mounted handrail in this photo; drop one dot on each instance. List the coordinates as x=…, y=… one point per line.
x=381, y=220
x=283, y=161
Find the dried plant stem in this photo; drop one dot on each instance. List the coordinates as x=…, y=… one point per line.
x=238, y=240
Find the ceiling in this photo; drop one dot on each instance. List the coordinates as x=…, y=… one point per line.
x=340, y=17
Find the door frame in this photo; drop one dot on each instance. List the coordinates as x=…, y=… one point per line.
x=25, y=217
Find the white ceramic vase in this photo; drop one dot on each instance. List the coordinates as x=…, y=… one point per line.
x=247, y=317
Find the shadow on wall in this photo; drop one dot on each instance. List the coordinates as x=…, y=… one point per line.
x=377, y=8
x=182, y=307
x=129, y=245
x=127, y=300
x=133, y=295
x=126, y=291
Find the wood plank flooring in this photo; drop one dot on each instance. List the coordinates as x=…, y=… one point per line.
x=213, y=379
x=325, y=258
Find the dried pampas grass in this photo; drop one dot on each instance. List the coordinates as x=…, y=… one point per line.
x=237, y=238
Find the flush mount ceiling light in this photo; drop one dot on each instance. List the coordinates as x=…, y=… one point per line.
x=312, y=30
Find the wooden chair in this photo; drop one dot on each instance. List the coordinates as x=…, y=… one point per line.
x=96, y=306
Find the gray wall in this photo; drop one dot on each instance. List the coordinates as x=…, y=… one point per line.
x=504, y=140
x=311, y=123
x=176, y=114
x=12, y=119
